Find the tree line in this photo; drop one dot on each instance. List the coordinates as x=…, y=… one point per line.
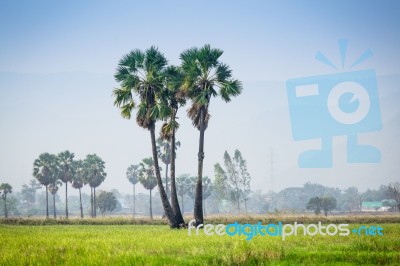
x=27, y=202
x=53, y=170
x=233, y=186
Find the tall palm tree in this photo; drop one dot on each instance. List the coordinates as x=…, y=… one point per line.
x=132, y=175
x=173, y=97
x=147, y=178
x=66, y=167
x=5, y=189
x=44, y=170
x=78, y=180
x=95, y=175
x=142, y=74
x=205, y=77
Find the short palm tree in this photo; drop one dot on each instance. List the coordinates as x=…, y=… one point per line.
x=66, y=167
x=44, y=169
x=132, y=175
x=205, y=77
x=5, y=189
x=94, y=172
x=78, y=180
x=53, y=188
x=142, y=74
x=147, y=178
x=182, y=187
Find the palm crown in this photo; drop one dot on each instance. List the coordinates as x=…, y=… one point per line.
x=142, y=74
x=206, y=77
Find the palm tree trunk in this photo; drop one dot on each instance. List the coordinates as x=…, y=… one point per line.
x=91, y=202
x=174, y=195
x=204, y=207
x=151, y=207
x=94, y=202
x=66, y=200
x=47, y=203
x=134, y=210
x=198, y=204
x=80, y=202
x=54, y=206
x=166, y=181
x=5, y=206
x=164, y=199
x=183, y=206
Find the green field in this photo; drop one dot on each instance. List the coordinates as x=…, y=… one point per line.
x=159, y=245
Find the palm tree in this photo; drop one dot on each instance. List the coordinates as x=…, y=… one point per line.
x=66, y=165
x=53, y=188
x=173, y=97
x=164, y=154
x=204, y=73
x=5, y=189
x=142, y=74
x=78, y=180
x=43, y=171
x=182, y=187
x=94, y=174
x=147, y=178
x=132, y=175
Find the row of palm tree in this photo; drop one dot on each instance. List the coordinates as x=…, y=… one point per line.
x=161, y=90
x=52, y=170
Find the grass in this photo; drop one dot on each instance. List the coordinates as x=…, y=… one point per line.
x=158, y=245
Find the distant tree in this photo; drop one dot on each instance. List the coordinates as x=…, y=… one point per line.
x=375, y=194
x=191, y=189
x=315, y=204
x=393, y=192
x=53, y=188
x=328, y=204
x=183, y=185
x=28, y=194
x=94, y=168
x=78, y=180
x=352, y=199
x=132, y=175
x=221, y=184
x=55, y=184
x=244, y=177
x=106, y=201
x=66, y=172
x=5, y=189
x=164, y=153
x=236, y=178
x=207, y=190
x=147, y=178
x=44, y=169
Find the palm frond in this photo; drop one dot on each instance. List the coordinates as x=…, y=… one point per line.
x=230, y=89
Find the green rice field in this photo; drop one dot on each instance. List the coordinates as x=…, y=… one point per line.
x=76, y=244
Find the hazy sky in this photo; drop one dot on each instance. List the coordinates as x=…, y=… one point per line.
x=57, y=60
